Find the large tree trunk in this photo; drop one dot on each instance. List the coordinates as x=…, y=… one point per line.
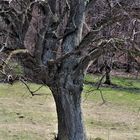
x=68, y=104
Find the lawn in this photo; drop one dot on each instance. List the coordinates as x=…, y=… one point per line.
x=23, y=117
x=119, y=117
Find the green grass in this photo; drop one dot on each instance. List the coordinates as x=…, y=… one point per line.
x=115, y=116
x=119, y=81
x=126, y=91
x=23, y=117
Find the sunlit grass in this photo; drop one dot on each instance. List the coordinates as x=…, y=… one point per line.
x=125, y=90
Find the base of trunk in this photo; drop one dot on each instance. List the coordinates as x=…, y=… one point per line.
x=70, y=124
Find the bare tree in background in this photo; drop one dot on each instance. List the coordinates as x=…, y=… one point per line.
x=47, y=37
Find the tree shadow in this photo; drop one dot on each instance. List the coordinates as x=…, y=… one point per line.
x=131, y=89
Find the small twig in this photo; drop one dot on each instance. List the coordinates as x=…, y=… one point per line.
x=87, y=93
x=102, y=97
x=100, y=81
x=2, y=48
x=33, y=93
x=97, y=89
x=3, y=65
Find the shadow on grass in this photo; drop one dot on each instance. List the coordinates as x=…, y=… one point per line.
x=131, y=89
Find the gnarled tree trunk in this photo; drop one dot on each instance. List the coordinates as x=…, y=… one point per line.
x=68, y=105
x=66, y=90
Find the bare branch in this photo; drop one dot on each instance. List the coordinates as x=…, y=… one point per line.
x=33, y=93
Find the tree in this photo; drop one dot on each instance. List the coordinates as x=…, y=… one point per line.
x=46, y=36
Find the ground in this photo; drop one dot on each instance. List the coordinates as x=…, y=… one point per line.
x=23, y=117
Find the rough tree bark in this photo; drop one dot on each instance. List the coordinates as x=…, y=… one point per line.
x=67, y=94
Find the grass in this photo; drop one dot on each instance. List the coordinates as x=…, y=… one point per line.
x=26, y=117
x=126, y=90
x=119, y=117
x=23, y=117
